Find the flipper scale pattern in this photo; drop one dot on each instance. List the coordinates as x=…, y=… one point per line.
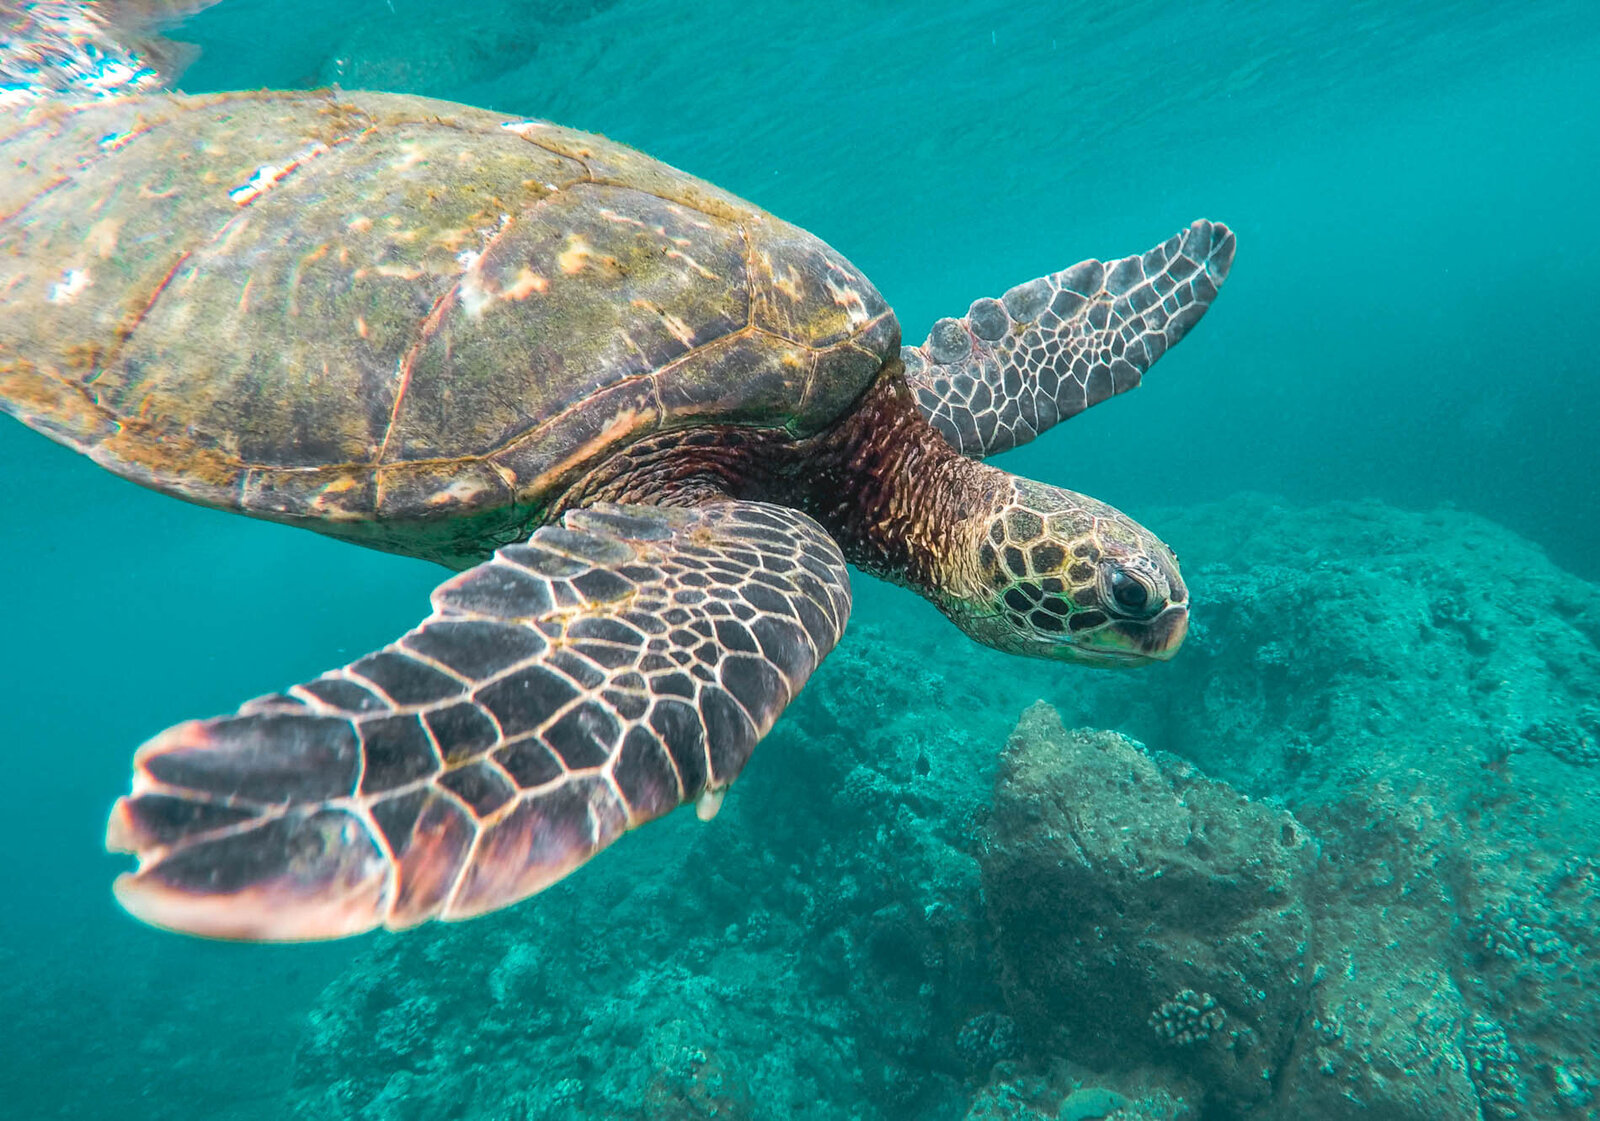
x=1050, y=348
x=573, y=687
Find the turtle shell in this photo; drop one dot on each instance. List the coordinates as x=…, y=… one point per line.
x=402, y=321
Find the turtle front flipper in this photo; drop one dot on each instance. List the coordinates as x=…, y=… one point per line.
x=571, y=688
x=1052, y=347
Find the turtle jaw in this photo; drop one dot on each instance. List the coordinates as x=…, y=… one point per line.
x=1122, y=643
x=1129, y=643
x=1166, y=632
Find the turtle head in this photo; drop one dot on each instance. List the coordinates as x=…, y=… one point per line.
x=1054, y=574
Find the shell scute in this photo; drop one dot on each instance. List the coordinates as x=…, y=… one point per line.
x=772, y=377
x=404, y=322
x=341, y=265
x=616, y=286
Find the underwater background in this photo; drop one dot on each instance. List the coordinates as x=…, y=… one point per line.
x=1338, y=859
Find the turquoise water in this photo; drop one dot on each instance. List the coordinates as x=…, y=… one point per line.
x=1398, y=640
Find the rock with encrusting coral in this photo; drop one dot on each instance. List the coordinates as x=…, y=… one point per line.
x=1123, y=886
x=1147, y=916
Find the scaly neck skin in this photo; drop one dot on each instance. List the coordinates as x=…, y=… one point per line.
x=900, y=501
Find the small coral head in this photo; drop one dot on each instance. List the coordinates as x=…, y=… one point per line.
x=1062, y=576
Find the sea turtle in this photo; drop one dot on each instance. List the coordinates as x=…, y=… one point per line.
x=649, y=422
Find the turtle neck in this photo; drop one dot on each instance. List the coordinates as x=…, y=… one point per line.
x=898, y=499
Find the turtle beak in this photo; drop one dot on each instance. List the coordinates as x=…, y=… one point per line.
x=1130, y=643
x=1160, y=637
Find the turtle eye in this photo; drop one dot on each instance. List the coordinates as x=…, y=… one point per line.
x=1129, y=592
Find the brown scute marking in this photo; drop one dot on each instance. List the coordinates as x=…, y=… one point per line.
x=757, y=686
x=290, y=878
x=586, y=737
x=493, y=591
x=476, y=649
x=495, y=751
x=1047, y=558
x=730, y=734
x=266, y=757
x=541, y=839
x=396, y=816
x=680, y=729
x=1024, y=525
x=615, y=524
x=521, y=701
x=405, y=680
x=529, y=763
x=342, y=693
x=594, y=548
x=628, y=705
x=481, y=786
x=543, y=561
x=397, y=751
x=645, y=776
x=461, y=731
x=1083, y=620
x=431, y=860
x=606, y=629
x=1045, y=621
x=158, y=819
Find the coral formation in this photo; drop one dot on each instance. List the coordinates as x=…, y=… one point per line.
x=1121, y=887
x=987, y=1038
x=1570, y=742
x=1493, y=1066
x=1189, y=1017
x=1121, y=880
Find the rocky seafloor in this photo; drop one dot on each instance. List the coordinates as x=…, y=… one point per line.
x=1338, y=860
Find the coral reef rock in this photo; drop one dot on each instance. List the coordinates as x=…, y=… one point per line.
x=1147, y=917
x=1143, y=909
